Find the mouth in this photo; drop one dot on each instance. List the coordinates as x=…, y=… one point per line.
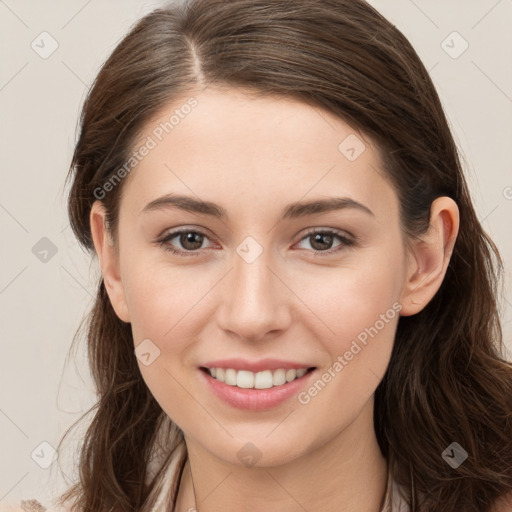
x=255, y=385
x=265, y=379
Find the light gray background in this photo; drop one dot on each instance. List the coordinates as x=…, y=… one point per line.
x=42, y=303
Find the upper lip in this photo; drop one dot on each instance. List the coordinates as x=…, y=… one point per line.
x=255, y=366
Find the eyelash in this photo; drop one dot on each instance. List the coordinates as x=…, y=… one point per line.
x=345, y=242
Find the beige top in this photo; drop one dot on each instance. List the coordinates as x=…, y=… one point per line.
x=163, y=496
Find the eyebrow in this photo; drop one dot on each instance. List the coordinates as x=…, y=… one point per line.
x=292, y=210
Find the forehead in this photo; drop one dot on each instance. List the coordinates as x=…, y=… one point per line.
x=233, y=145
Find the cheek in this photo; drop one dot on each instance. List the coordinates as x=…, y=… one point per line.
x=357, y=311
x=164, y=304
x=361, y=316
x=165, y=308
x=351, y=299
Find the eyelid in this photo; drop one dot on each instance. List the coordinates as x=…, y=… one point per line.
x=187, y=228
x=338, y=232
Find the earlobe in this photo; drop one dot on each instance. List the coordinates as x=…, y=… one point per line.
x=429, y=256
x=109, y=260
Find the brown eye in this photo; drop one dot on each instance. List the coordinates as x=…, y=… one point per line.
x=187, y=244
x=321, y=242
x=191, y=240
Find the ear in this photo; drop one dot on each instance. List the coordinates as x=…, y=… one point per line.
x=429, y=256
x=109, y=260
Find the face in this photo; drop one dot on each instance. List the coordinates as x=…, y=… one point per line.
x=262, y=274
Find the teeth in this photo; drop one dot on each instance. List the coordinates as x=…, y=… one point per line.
x=291, y=375
x=260, y=380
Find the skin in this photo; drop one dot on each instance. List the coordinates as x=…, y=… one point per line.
x=252, y=157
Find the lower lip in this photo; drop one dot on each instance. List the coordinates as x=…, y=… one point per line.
x=255, y=399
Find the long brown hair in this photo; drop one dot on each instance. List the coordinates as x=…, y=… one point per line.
x=447, y=380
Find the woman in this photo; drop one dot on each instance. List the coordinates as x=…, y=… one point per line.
x=297, y=308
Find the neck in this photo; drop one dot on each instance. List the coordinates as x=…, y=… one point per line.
x=348, y=473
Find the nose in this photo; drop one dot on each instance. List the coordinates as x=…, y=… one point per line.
x=256, y=301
